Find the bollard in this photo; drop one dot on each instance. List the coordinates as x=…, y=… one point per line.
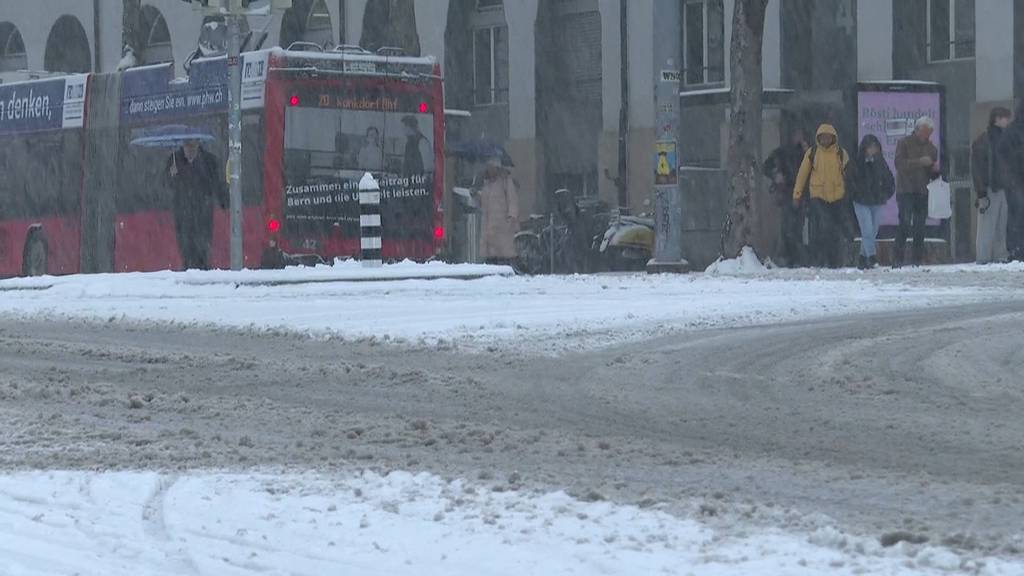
x=369, y=222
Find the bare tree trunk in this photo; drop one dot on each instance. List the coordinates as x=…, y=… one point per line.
x=747, y=87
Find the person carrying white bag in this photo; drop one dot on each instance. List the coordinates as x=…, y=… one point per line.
x=917, y=161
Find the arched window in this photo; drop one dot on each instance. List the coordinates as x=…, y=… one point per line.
x=307, y=21
x=156, y=36
x=12, y=49
x=67, y=47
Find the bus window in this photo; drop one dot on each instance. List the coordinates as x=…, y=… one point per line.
x=42, y=174
x=143, y=178
x=327, y=151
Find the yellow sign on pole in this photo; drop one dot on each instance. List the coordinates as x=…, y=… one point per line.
x=666, y=164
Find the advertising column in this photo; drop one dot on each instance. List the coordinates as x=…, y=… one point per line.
x=668, y=213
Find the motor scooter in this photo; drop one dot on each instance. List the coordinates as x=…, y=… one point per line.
x=628, y=243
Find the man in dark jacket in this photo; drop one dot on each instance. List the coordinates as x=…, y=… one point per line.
x=195, y=177
x=917, y=161
x=991, y=184
x=1012, y=152
x=782, y=167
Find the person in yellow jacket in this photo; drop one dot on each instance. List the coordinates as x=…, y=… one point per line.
x=822, y=175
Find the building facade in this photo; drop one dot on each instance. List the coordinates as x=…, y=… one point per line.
x=815, y=54
x=575, y=90
x=540, y=77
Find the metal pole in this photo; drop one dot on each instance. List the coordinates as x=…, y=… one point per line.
x=668, y=196
x=623, y=180
x=235, y=134
x=551, y=244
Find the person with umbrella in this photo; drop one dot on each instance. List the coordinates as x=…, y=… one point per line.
x=195, y=177
x=499, y=203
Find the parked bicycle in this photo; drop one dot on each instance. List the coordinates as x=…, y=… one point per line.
x=565, y=241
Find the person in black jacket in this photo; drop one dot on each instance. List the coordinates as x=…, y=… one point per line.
x=991, y=183
x=782, y=167
x=1012, y=151
x=196, y=179
x=872, y=186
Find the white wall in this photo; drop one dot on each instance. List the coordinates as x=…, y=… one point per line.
x=611, y=64
x=874, y=39
x=110, y=35
x=354, y=11
x=35, y=18
x=431, y=22
x=771, y=63
x=521, y=16
x=994, y=50
x=642, y=68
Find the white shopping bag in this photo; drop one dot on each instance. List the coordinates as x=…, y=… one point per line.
x=940, y=204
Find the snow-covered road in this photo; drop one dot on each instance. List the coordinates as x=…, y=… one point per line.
x=792, y=449
x=134, y=524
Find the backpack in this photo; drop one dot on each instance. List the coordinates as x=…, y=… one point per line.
x=844, y=170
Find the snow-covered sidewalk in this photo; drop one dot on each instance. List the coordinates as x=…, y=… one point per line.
x=347, y=271
x=127, y=524
x=536, y=315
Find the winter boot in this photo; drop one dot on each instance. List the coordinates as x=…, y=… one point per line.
x=862, y=263
x=873, y=262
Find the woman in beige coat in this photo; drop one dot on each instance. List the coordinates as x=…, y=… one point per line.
x=499, y=203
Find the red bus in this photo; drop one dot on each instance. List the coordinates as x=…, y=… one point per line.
x=76, y=195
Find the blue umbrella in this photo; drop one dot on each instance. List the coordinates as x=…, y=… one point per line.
x=171, y=136
x=480, y=150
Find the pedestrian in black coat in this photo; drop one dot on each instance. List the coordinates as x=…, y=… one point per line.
x=781, y=167
x=196, y=179
x=1012, y=151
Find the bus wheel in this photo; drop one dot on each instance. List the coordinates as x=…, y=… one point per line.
x=33, y=261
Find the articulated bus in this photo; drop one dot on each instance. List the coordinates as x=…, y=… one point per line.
x=77, y=194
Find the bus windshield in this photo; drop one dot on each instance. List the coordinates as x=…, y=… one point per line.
x=329, y=145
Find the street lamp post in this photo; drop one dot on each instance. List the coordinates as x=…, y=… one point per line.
x=235, y=137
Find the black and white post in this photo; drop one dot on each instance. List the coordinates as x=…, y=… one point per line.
x=369, y=222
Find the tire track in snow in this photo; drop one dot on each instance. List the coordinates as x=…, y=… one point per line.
x=154, y=526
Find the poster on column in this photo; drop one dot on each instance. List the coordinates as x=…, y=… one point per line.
x=666, y=164
x=889, y=111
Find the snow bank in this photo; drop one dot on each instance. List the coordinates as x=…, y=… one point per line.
x=746, y=264
x=546, y=315
x=144, y=523
x=341, y=271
